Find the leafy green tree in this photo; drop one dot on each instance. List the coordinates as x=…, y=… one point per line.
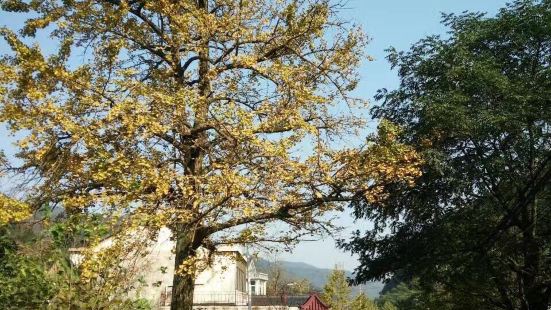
x=410, y=295
x=281, y=282
x=24, y=277
x=336, y=292
x=36, y=271
x=362, y=302
x=477, y=106
x=402, y=296
x=301, y=286
x=277, y=279
x=388, y=306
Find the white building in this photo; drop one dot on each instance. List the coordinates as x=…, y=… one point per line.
x=257, y=281
x=223, y=283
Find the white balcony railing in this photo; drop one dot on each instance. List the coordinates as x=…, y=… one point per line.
x=236, y=298
x=259, y=276
x=229, y=298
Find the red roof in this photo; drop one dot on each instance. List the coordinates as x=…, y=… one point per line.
x=314, y=303
x=303, y=302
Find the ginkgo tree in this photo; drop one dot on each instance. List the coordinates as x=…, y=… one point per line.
x=214, y=118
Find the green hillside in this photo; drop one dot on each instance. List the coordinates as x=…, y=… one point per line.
x=317, y=276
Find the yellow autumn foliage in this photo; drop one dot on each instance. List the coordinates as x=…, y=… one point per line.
x=202, y=116
x=12, y=210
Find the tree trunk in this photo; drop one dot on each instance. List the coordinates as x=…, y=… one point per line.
x=183, y=283
x=536, y=295
x=187, y=241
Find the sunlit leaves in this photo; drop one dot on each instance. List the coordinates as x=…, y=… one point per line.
x=199, y=118
x=12, y=210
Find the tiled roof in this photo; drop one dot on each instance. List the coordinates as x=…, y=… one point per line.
x=297, y=301
x=294, y=301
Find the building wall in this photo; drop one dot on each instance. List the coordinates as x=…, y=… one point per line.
x=158, y=268
x=151, y=273
x=223, y=282
x=217, y=283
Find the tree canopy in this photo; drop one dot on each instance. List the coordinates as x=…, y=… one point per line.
x=211, y=117
x=477, y=106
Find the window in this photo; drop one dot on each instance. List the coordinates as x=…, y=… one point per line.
x=241, y=281
x=253, y=287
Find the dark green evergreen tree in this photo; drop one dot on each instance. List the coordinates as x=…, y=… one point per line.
x=477, y=106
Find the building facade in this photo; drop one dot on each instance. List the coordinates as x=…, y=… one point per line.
x=229, y=282
x=257, y=280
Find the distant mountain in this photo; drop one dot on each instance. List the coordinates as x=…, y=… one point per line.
x=317, y=276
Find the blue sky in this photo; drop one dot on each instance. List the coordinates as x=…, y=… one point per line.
x=397, y=23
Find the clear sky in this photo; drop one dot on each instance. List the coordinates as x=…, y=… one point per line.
x=397, y=23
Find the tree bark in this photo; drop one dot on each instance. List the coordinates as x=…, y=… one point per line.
x=183, y=284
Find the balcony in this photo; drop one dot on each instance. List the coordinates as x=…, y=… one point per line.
x=229, y=298
x=221, y=298
x=258, y=276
